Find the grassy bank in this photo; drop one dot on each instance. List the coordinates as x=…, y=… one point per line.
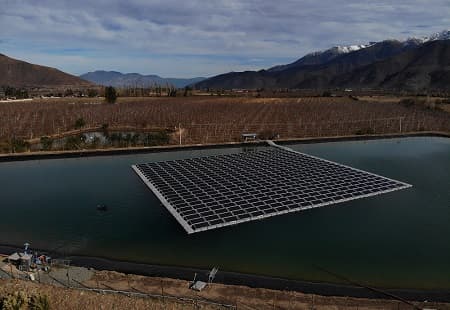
x=169, y=148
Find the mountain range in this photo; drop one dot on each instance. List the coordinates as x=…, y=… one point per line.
x=18, y=73
x=413, y=64
x=118, y=79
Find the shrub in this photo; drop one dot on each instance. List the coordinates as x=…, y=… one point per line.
x=105, y=130
x=74, y=142
x=110, y=94
x=80, y=123
x=92, y=93
x=22, y=301
x=46, y=143
x=365, y=131
x=19, y=145
x=39, y=302
x=16, y=301
x=156, y=138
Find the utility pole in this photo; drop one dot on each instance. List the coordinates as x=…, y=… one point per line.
x=179, y=129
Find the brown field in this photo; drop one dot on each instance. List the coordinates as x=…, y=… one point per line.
x=222, y=119
x=446, y=107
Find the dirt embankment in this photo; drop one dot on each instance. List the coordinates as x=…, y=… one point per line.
x=177, y=295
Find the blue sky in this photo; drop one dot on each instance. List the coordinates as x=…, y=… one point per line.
x=175, y=38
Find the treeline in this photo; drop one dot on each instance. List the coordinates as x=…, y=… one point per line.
x=12, y=92
x=154, y=91
x=90, y=92
x=24, y=93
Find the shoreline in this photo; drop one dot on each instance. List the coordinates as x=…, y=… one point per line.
x=10, y=157
x=250, y=280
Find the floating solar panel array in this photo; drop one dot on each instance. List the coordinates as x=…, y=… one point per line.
x=210, y=192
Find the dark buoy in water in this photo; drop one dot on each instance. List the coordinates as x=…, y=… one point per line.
x=102, y=207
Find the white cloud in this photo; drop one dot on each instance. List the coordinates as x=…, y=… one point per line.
x=223, y=35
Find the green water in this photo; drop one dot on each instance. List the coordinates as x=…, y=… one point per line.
x=400, y=239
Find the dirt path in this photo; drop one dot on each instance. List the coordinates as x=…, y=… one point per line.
x=241, y=296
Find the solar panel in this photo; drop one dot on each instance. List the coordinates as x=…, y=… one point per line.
x=215, y=191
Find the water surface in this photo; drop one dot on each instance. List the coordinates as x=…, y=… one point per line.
x=400, y=239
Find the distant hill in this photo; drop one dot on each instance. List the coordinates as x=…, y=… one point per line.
x=414, y=64
x=118, y=79
x=17, y=73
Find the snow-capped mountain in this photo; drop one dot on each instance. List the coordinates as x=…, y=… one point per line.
x=318, y=57
x=351, y=48
x=342, y=49
x=323, y=56
x=412, y=64
x=443, y=35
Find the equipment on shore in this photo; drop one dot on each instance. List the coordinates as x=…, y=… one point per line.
x=26, y=246
x=212, y=274
x=198, y=285
x=26, y=261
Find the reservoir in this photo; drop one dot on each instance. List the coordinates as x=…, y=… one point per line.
x=396, y=240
